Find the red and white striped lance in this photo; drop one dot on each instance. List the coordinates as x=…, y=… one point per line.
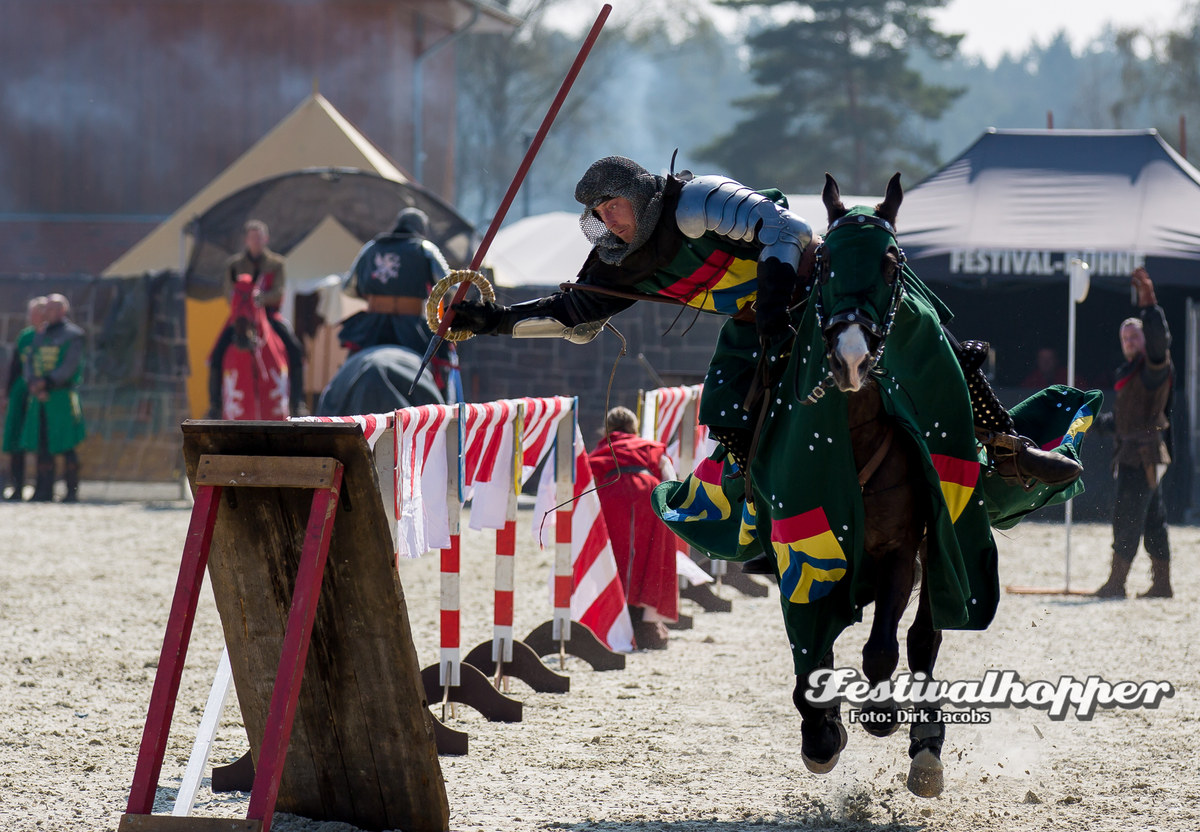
x=597, y=598
x=506, y=548
x=450, y=649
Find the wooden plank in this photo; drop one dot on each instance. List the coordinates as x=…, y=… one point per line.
x=296, y=639
x=266, y=471
x=174, y=823
x=362, y=749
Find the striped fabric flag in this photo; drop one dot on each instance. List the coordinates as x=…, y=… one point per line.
x=420, y=478
x=538, y=430
x=598, y=600
x=487, y=446
x=810, y=558
x=373, y=425
x=958, y=478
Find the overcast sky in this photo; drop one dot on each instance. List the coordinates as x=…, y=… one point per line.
x=992, y=27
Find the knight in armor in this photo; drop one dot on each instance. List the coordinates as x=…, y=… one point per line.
x=1141, y=427
x=53, y=417
x=394, y=273
x=265, y=267
x=711, y=243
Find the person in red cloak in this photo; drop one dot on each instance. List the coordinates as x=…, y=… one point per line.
x=248, y=368
x=644, y=548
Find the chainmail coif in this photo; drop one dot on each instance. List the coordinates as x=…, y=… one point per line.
x=611, y=177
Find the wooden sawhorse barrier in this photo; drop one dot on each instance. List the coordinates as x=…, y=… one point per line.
x=291, y=585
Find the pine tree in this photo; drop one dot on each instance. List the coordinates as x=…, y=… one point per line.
x=837, y=94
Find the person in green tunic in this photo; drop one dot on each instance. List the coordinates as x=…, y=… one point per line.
x=17, y=396
x=53, y=419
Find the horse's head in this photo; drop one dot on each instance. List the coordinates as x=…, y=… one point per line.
x=858, y=272
x=243, y=313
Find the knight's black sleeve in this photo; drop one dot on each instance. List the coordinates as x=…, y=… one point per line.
x=1158, y=344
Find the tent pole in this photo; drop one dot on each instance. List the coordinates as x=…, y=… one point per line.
x=1067, y=512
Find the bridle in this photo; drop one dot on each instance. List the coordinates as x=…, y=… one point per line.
x=877, y=331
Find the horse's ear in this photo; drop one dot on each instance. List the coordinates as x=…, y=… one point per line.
x=892, y=198
x=831, y=195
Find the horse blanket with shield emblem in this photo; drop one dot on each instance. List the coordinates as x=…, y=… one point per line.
x=807, y=508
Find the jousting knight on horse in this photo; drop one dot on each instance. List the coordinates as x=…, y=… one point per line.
x=714, y=244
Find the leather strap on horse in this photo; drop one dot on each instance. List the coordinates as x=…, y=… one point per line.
x=868, y=470
x=759, y=397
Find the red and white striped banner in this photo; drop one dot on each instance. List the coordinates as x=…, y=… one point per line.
x=542, y=417
x=419, y=478
x=373, y=425
x=598, y=599
x=488, y=438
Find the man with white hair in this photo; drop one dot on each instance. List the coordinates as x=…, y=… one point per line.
x=53, y=419
x=1140, y=420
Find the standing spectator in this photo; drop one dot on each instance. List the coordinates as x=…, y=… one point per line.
x=627, y=468
x=394, y=273
x=18, y=394
x=53, y=418
x=266, y=269
x=1140, y=420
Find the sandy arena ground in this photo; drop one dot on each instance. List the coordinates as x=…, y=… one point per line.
x=701, y=737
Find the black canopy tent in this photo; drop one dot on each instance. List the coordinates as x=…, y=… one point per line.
x=994, y=232
x=294, y=203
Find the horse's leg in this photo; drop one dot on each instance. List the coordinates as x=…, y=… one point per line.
x=822, y=735
x=925, y=778
x=881, y=653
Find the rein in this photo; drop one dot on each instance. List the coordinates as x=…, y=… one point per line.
x=824, y=271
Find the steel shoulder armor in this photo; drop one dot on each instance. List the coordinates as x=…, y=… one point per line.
x=734, y=211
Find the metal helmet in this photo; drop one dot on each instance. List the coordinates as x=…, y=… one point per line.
x=616, y=176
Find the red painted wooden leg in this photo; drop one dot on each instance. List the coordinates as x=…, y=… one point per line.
x=174, y=651
x=286, y=692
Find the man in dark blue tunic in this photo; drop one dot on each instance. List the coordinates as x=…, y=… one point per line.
x=394, y=273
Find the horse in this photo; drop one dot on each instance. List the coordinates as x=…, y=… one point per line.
x=895, y=506
x=377, y=380
x=248, y=368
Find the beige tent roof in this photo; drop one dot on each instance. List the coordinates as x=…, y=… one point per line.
x=315, y=134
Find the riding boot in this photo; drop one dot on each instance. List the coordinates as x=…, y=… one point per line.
x=1017, y=459
x=1160, y=580
x=1114, y=587
x=71, y=476
x=17, y=470
x=43, y=490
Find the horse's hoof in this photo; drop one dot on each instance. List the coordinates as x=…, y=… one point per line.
x=925, y=777
x=824, y=767
x=881, y=728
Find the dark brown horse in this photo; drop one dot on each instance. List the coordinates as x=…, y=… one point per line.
x=896, y=510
